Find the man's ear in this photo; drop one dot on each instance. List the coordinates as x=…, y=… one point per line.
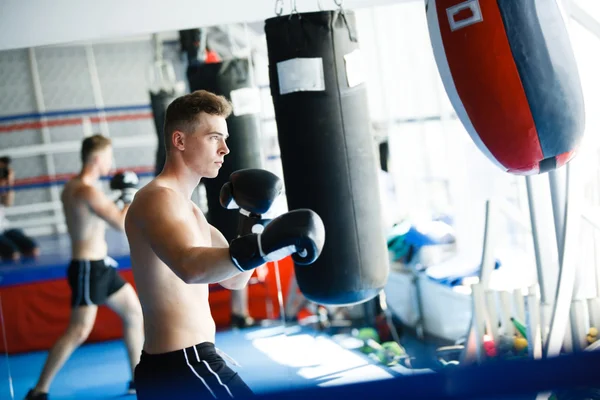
x=178, y=140
x=94, y=158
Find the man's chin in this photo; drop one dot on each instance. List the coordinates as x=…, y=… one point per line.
x=212, y=174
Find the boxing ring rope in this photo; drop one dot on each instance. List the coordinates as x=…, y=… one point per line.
x=60, y=179
x=42, y=182
x=10, y=380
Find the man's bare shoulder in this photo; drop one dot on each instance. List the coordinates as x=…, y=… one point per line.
x=76, y=189
x=156, y=198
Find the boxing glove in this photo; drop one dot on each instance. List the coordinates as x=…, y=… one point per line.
x=251, y=190
x=300, y=233
x=127, y=182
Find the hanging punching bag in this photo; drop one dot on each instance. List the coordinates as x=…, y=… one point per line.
x=327, y=151
x=510, y=73
x=159, y=101
x=164, y=88
x=233, y=80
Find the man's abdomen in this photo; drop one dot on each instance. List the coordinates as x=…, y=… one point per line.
x=89, y=244
x=180, y=324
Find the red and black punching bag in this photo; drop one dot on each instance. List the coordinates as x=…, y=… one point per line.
x=328, y=153
x=511, y=76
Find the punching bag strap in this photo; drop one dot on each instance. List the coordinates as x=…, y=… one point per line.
x=278, y=7
x=294, y=10
x=351, y=32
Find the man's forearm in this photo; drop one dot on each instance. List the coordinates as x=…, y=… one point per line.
x=207, y=265
x=238, y=281
x=123, y=215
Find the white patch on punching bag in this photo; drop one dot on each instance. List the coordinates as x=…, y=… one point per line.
x=471, y=5
x=355, y=68
x=301, y=75
x=245, y=101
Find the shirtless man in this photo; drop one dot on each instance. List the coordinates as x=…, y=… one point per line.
x=175, y=254
x=94, y=282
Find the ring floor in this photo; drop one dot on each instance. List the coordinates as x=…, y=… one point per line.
x=270, y=359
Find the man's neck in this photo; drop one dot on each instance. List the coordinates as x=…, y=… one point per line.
x=89, y=174
x=185, y=180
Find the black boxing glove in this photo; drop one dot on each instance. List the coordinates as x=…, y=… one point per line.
x=127, y=182
x=251, y=190
x=300, y=233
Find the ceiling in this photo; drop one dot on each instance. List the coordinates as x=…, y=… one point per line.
x=32, y=23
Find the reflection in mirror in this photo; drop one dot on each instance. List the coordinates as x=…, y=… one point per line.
x=471, y=250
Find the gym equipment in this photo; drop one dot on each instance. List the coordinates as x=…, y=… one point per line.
x=327, y=152
x=510, y=73
x=159, y=102
x=163, y=89
x=232, y=79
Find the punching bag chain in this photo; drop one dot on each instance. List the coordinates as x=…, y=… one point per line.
x=294, y=9
x=351, y=32
x=278, y=7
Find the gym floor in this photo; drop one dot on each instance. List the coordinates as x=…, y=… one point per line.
x=270, y=359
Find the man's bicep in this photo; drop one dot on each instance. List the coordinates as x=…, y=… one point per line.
x=217, y=238
x=168, y=233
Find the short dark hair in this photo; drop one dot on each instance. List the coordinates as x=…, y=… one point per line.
x=93, y=143
x=182, y=113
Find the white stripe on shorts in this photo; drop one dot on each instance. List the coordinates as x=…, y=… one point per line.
x=195, y=373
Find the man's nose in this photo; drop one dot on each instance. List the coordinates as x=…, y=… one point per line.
x=224, y=149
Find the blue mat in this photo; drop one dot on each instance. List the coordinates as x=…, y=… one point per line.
x=270, y=360
x=300, y=361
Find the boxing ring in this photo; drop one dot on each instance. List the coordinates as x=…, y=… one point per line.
x=35, y=296
x=277, y=361
x=35, y=311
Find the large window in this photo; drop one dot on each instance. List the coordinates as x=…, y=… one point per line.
x=587, y=52
x=436, y=167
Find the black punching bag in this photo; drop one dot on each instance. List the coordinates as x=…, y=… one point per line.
x=327, y=151
x=233, y=80
x=159, y=102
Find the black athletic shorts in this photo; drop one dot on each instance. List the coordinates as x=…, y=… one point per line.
x=92, y=282
x=197, y=372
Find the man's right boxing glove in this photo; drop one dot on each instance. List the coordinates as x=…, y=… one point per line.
x=127, y=182
x=300, y=233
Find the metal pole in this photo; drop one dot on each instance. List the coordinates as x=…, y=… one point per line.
x=46, y=138
x=568, y=264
